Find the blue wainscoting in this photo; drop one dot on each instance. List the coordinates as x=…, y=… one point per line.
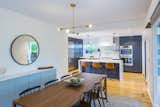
x=114, y=74
x=10, y=89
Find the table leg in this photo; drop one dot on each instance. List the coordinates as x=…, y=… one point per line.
x=14, y=104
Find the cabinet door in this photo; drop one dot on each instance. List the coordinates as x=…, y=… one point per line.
x=21, y=84
x=35, y=79
x=6, y=93
x=48, y=75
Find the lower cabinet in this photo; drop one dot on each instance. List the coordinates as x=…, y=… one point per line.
x=10, y=89
x=6, y=93
x=21, y=84
x=45, y=77
x=35, y=79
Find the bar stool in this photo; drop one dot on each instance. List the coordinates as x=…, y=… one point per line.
x=97, y=66
x=84, y=65
x=110, y=67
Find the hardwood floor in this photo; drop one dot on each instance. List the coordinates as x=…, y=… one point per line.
x=133, y=86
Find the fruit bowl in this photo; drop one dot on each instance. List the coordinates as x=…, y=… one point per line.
x=74, y=81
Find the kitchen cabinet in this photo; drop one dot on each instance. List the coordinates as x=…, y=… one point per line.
x=75, y=52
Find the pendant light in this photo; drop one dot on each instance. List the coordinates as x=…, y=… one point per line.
x=72, y=29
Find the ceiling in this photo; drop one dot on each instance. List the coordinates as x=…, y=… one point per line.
x=108, y=33
x=88, y=11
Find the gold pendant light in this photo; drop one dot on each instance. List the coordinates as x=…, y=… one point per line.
x=72, y=29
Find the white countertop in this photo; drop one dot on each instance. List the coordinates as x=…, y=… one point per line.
x=6, y=76
x=103, y=60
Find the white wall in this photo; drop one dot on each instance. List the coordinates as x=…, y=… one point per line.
x=149, y=62
x=104, y=43
x=53, y=44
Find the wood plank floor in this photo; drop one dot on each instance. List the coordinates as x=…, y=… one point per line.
x=133, y=85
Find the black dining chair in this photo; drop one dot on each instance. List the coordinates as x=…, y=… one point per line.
x=96, y=94
x=104, y=88
x=65, y=77
x=85, y=100
x=100, y=92
x=48, y=83
x=29, y=90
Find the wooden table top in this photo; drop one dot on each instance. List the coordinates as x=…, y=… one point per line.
x=59, y=94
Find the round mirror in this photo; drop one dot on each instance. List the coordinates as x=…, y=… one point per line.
x=24, y=49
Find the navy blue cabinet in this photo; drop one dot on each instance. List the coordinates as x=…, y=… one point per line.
x=10, y=89
x=136, y=43
x=75, y=52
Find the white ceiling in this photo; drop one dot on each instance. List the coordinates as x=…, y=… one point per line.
x=88, y=11
x=108, y=33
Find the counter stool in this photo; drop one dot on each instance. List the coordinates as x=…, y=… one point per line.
x=84, y=65
x=97, y=66
x=110, y=67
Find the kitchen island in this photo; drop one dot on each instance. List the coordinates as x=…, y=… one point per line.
x=117, y=72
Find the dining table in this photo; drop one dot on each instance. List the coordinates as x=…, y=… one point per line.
x=60, y=94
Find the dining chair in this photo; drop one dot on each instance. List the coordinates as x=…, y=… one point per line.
x=96, y=94
x=100, y=91
x=48, y=83
x=29, y=90
x=65, y=77
x=85, y=100
x=104, y=89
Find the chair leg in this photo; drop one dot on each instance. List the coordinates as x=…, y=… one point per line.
x=94, y=103
x=102, y=99
x=99, y=102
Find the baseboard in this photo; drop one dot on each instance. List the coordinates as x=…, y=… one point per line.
x=149, y=94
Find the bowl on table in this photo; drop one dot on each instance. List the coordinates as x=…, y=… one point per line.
x=74, y=81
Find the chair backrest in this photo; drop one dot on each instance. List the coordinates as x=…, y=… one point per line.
x=104, y=83
x=50, y=82
x=86, y=98
x=96, y=65
x=29, y=90
x=65, y=77
x=96, y=90
x=109, y=66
